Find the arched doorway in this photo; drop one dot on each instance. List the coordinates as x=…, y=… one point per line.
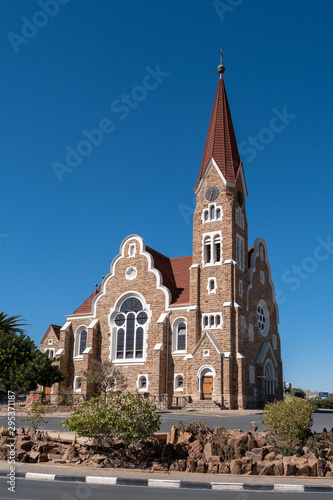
x=206, y=376
x=269, y=380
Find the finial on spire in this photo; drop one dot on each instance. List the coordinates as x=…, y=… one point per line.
x=221, y=68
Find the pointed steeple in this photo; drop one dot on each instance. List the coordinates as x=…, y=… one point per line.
x=221, y=140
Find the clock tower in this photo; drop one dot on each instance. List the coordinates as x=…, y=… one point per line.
x=219, y=270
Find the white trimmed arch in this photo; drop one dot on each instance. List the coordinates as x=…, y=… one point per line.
x=206, y=370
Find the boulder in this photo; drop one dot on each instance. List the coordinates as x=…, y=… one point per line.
x=253, y=428
x=278, y=468
x=290, y=468
x=25, y=445
x=236, y=467
x=209, y=451
x=160, y=466
x=172, y=436
x=270, y=456
x=268, y=469
x=70, y=453
x=195, y=450
x=213, y=468
x=33, y=456
x=184, y=437
x=181, y=465
x=191, y=465
x=201, y=466
x=224, y=468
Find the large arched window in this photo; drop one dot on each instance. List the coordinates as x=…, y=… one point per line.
x=81, y=336
x=179, y=331
x=130, y=322
x=269, y=378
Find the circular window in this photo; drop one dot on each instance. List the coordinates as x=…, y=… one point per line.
x=131, y=273
x=263, y=317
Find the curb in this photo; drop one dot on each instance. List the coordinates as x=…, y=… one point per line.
x=171, y=483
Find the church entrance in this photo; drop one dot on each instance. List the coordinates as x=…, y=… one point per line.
x=207, y=387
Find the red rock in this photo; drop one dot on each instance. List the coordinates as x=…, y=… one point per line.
x=236, y=467
x=278, y=468
x=172, y=436
x=195, y=450
x=270, y=456
x=268, y=469
x=184, y=437
x=213, y=468
x=201, y=466
x=224, y=468
x=70, y=453
x=191, y=465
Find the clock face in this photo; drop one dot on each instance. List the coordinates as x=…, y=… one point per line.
x=239, y=198
x=212, y=193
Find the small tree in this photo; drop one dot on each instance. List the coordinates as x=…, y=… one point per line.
x=298, y=393
x=122, y=416
x=34, y=417
x=105, y=376
x=290, y=421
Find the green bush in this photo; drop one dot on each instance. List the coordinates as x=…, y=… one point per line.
x=290, y=421
x=116, y=416
x=298, y=393
x=326, y=403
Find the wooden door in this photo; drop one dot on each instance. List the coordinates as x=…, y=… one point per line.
x=47, y=392
x=207, y=387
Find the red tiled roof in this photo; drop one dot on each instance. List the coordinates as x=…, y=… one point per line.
x=56, y=330
x=175, y=276
x=221, y=140
x=86, y=307
x=181, y=271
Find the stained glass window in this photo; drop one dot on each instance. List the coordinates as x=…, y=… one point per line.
x=130, y=333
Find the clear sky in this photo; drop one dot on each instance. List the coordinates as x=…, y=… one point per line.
x=62, y=221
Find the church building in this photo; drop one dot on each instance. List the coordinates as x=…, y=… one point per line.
x=200, y=330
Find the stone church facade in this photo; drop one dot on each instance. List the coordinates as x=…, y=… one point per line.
x=204, y=326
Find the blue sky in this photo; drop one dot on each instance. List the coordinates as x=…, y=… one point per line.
x=69, y=75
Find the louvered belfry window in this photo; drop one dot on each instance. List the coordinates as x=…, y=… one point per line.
x=129, y=330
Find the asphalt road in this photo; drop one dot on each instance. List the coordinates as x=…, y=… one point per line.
x=27, y=489
x=320, y=420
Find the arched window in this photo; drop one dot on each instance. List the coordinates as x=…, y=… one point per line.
x=212, y=212
x=218, y=213
x=217, y=248
x=81, y=336
x=269, y=378
x=207, y=250
x=142, y=383
x=130, y=323
x=179, y=335
x=179, y=382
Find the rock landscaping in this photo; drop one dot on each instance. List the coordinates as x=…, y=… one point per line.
x=187, y=448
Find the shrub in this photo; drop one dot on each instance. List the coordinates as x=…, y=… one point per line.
x=290, y=421
x=35, y=416
x=123, y=416
x=326, y=403
x=298, y=393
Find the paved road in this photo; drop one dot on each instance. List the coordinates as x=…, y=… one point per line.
x=27, y=489
x=241, y=421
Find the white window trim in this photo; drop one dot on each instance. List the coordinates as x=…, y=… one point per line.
x=208, y=210
x=140, y=376
x=215, y=326
x=263, y=304
x=113, y=330
x=240, y=252
x=252, y=374
x=274, y=342
x=76, y=378
x=212, y=236
x=50, y=349
x=131, y=273
x=50, y=342
x=240, y=288
x=208, y=285
x=176, y=388
x=174, y=326
x=130, y=253
x=251, y=333
x=77, y=341
x=240, y=217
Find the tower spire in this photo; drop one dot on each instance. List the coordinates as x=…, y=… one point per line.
x=221, y=144
x=221, y=68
